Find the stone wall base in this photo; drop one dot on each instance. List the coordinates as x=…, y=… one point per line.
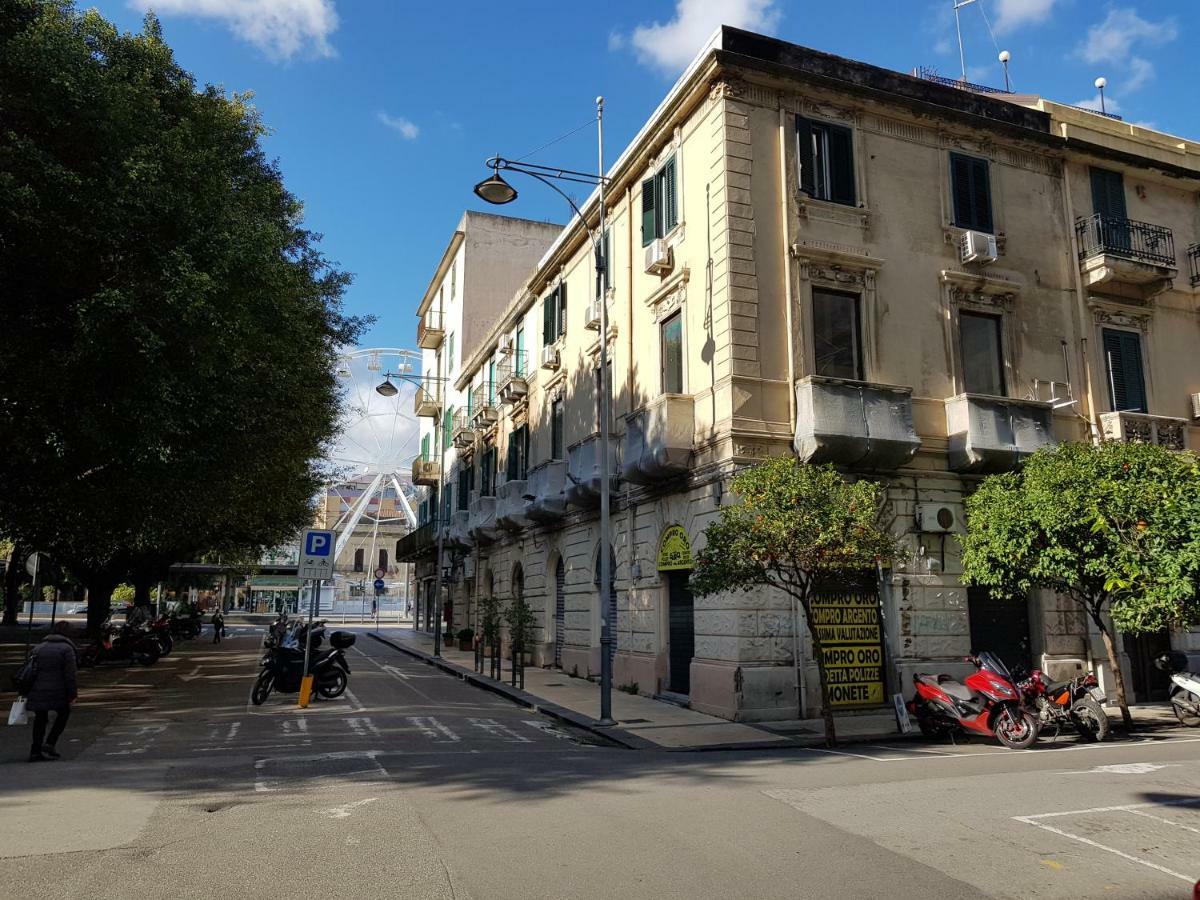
x=743, y=693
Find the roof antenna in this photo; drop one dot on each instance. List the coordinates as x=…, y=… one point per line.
x=1005, y=56
x=962, y=59
x=1101, y=84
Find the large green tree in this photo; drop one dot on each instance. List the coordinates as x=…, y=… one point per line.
x=795, y=526
x=168, y=325
x=1114, y=526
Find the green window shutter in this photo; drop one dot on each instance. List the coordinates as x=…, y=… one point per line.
x=1123, y=360
x=970, y=188
x=960, y=189
x=548, y=334
x=447, y=427
x=648, y=212
x=841, y=164
x=804, y=152
x=425, y=448
x=520, y=364
x=562, y=309
x=491, y=387
x=510, y=461
x=1108, y=193
x=524, y=451
x=981, y=195
x=670, y=196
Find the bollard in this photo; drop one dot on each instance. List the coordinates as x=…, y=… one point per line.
x=306, y=685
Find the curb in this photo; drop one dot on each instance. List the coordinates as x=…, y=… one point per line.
x=618, y=736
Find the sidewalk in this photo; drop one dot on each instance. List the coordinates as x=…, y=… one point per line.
x=642, y=723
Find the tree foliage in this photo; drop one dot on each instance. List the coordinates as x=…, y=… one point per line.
x=1115, y=526
x=795, y=526
x=169, y=327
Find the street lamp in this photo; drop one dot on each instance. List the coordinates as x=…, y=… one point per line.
x=386, y=389
x=494, y=189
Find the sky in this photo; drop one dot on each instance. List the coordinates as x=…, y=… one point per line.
x=383, y=111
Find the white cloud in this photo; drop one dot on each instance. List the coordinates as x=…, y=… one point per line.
x=280, y=28
x=670, y=46
x=1113, y=39
x=1111, y=104
x=1140, y=71
x=402, y=126
x=1012, y=14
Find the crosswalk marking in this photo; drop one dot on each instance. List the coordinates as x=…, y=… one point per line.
x=362, y=725
x=496, y=730
x=432, y=728
x=553, y=731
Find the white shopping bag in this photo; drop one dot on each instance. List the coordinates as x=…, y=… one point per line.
x=17, y=715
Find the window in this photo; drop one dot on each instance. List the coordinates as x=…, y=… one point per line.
x=982, y=358
x=470, y=402
x=448, y=503
x=672, y=354
x=826, y=155
x=466, y=484
x=519, y=366
x=383, y=560
x=972, y=192
x=450, y=359
x=491, y=383
x=604, y=271
x=359, y=554
x=433, y=503
x=837, y=339
x=487, y=472
x=660, y=206
x=1123, y=363
x=517, y=465
x=554, y=315
x=556, y=429
x=1108, y=194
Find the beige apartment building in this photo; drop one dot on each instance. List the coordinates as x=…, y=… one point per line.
x=914, y=281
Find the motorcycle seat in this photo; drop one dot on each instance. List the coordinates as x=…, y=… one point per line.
x=955, y=688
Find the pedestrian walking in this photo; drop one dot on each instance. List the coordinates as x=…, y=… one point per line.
x=54, y=690
x=218, y=624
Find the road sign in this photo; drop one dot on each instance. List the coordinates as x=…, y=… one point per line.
x=37, y=561
x=379, y=573
x=379, y=585
x=316, y=555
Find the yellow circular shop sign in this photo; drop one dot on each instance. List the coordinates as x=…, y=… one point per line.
x=674, y=549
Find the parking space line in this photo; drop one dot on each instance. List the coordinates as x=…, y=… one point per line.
x=1146, y=815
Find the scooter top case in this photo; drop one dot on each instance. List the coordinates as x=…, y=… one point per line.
x=1173, y=662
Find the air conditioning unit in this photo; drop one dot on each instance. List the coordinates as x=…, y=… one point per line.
x=937, y=518
x=593, y=315
x=658, y=257
x=978, y=247
x=1196, y=406
x=550, y=357
x=506, y=343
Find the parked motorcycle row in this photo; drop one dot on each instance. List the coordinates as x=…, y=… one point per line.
x=142, y=643
x=283, y=660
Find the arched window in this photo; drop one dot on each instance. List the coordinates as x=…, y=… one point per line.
x=518, y=583
x=383, y=559
x=359, y=554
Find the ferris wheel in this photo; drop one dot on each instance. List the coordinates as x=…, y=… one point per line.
x=378, y=436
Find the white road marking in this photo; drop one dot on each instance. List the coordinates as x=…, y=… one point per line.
x=392, y=673
x=431, y=728
x=362, y=725
x=344, y=812
x=195, y=674
x=1139, y=768
x=497, y=730
x=355, y=704
x=233, y=730
x=547, y=728
x=1146, y=815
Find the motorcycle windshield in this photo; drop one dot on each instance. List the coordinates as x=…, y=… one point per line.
x=993, y=663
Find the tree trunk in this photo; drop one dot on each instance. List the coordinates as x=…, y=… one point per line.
x=826, y=708
x=12, y=578
x=1118, y=676
x=99, y=588
x=141, y=590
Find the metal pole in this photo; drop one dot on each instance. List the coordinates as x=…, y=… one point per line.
x=438, y=429
x=962, y=58
x=306, y=678
x=606, y=623
x=37, y=589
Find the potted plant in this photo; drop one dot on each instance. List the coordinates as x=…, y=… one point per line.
x=466, y=638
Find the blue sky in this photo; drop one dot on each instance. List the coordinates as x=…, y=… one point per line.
x=383, y=110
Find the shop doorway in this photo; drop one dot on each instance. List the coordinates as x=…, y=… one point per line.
x=1149, y=684
x=1001, y=627
x=682, y=632
x=560, y=612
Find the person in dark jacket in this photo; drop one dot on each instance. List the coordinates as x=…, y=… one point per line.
x=54, y=690
x=218, y=624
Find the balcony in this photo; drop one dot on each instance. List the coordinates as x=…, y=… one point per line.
x=426, y=400
x=483, y=406
x=458, y=533
x=481, y=519
x=511, y=375
x=1193, y=255
x=545, y=492
x=1139, y=428
x=462, y=433
x=1121, y=252
x=431, y=330
x=419, y=543
x=854, y=423
x=510, y=506
x=425, y=471
x=583, y=471
x=994, y=434
x=659, y=439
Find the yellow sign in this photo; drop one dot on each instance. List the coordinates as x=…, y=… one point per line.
x=674, y=549
x=847, y=624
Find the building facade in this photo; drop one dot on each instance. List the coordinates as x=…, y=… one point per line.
x=917, y=282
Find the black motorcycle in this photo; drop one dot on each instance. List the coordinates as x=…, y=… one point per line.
x=124, y=643
x=283, y=668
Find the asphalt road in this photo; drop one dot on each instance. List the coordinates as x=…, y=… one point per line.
x=418, y=785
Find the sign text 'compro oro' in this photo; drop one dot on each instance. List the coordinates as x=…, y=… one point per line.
x=847, y=622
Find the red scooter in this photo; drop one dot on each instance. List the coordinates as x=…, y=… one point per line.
x=988, y=704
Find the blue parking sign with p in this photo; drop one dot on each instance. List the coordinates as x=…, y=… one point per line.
x=318, y=543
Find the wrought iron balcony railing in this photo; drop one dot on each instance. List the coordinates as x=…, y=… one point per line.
x=1193, y=254
x=1139, y=241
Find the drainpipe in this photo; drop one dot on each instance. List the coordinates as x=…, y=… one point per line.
x=1080, y=305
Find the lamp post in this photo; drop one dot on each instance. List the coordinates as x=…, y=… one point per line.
x=496, y=190
x=386, y=389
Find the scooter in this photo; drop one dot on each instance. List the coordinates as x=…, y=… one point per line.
x=1185, y=687
x=283, y=669
x=126, y=642
x=988, y=704
x=1075, y=702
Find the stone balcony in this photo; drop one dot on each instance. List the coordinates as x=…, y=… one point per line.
x=1165, y=431
x=545, y=492
x=994, y=434
x=510, y=506
x=659, y=440
x=458, y=532
x=583, y=471
x=854, y=423
x=1136, y=256
x=425, y=472
x=481, y=520
x=430, y=330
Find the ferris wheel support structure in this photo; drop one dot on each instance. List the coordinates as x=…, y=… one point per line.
x=356, y=514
